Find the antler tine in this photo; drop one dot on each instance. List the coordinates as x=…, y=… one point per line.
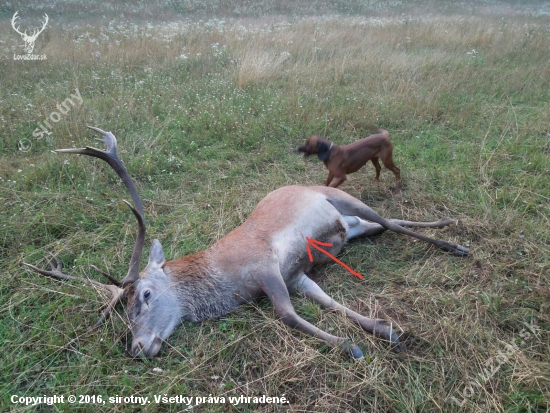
x=138, y=247
x=110, y=156
x=56, y=273
x=117, y=295
x=139, y=241
x=108, y=138
x=107, y=275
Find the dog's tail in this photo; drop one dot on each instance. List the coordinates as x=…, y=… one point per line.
x=370, y=128
x=383, y=132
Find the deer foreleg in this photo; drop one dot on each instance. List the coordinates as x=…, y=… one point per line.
x=274, y=287
x=378, y=327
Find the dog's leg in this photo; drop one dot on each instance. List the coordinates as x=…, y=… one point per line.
x=397, y=173
x=338, y=180
x=377, y=167
x=387, y=159
x=329, y=178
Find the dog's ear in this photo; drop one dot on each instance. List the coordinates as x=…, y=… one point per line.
x=323, y=150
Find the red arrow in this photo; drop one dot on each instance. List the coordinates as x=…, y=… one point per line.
x=316, y=244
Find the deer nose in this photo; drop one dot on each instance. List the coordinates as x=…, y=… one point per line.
x=137, y=349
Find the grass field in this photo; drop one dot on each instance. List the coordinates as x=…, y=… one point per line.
x=208, y=100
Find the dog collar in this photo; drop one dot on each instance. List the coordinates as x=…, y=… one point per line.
x=323, y=154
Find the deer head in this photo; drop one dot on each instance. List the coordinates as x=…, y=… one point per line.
x=149, y=325
x=28, y=39
x=153, y=307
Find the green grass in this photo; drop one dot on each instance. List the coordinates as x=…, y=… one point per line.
x=208, y=101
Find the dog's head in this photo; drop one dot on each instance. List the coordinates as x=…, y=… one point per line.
x=315, y=144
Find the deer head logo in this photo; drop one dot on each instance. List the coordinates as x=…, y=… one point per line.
x=28, y=39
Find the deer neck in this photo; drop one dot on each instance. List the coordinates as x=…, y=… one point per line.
x=202, y=291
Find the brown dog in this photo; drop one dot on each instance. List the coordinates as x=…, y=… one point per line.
x=342, y=160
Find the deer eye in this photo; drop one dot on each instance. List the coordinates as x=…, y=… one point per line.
x=146, y=294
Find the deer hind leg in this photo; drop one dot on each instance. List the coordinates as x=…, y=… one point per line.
x=274, y=287
x=348, y=205
x=358, y=227
x=374, y=326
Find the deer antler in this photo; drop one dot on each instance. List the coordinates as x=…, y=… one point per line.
x=117, y=288
x=55, y=272
x=110, y=156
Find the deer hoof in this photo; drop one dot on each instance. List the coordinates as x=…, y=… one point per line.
x=461, y=251
x=395, y=343
x=386, y=331
x=445, y=222
x=455, y=249
x=352, y=349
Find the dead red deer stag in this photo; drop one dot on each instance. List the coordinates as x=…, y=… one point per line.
x=265, y=256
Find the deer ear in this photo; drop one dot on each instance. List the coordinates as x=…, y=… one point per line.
x=323, y=150
x=156, y=256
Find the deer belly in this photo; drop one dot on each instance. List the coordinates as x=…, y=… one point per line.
x=298, y=255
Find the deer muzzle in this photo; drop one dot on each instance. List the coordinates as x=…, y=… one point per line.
x=147, y=348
